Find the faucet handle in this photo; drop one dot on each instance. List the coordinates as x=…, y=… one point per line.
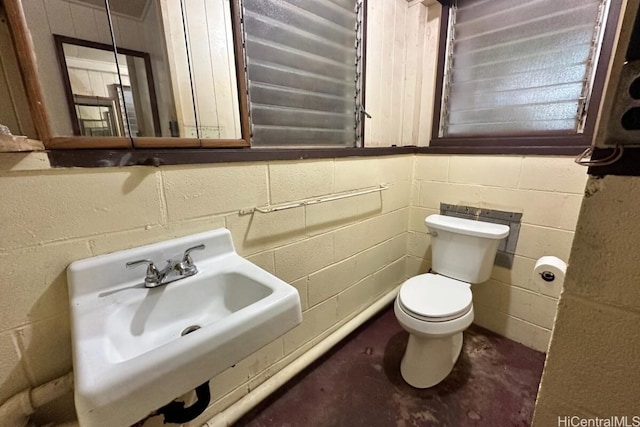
x=186, y=258
x=152, y=271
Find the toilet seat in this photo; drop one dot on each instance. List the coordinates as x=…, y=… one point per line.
x=435, y=298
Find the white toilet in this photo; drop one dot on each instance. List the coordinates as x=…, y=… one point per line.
x=436, y=307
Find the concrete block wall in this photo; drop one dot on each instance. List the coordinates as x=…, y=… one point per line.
x=591, y=369
x=546, y=190
x=341, y=255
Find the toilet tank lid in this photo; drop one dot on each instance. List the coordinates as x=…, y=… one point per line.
x=468, y=227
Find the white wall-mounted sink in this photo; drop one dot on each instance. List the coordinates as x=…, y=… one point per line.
x=131, y=350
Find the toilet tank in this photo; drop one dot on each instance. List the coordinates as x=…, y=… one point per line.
x=464, y=249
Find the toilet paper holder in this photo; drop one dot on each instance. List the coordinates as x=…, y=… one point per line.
x=548, y=276
x=550, y=269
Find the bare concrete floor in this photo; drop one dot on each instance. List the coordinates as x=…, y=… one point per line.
x=358, y=383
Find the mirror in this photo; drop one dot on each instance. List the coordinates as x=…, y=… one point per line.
x=108, y=97
x=199, y=45
x=174, y=74
x=14, y=110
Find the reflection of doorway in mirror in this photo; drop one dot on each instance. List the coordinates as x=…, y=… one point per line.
x=92, y=72
x=97, y=116
x=127, y=108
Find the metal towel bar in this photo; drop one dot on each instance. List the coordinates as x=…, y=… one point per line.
x=307, y=202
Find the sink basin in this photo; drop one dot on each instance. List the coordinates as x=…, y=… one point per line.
x=135, y=348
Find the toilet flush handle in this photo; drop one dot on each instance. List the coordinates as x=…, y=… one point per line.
x=433, y=233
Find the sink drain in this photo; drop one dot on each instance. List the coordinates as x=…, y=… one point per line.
x=189, y=329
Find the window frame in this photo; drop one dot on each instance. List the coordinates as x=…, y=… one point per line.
x=359, y=57
x=159, y=154
x=556, y=143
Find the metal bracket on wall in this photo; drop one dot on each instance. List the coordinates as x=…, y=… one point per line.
x=616, y=155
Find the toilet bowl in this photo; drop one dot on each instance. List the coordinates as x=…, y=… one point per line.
x=436, y=307
x=435, y=326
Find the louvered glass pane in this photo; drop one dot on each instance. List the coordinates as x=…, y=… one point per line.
x=514, y=128
x=288, y=136
x=532, y=112
x=519, y=66
x=541, y=79
x=266, y=94
x=301, y=67
x=568, y=38
x=476, y=100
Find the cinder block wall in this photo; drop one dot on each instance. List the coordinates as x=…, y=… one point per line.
x=592, y=366
x=341, y=255
x=547, y=190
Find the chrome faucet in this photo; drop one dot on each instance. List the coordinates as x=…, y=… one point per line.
x=174, y=270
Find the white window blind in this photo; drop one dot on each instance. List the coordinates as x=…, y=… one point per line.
x=520, y=66
x=302, y=68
